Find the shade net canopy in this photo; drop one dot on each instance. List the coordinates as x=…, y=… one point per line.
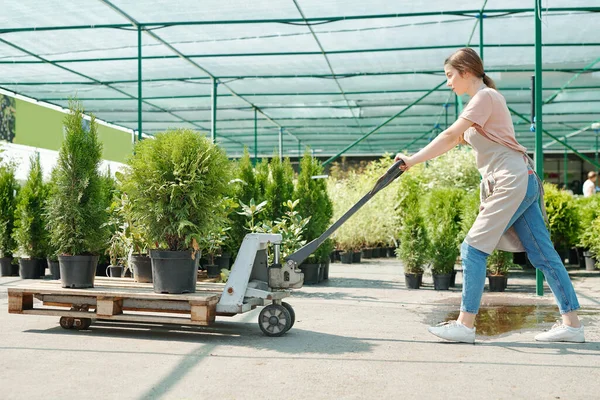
x=296, y=73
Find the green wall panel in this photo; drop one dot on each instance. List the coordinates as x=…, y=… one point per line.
x=42, y=127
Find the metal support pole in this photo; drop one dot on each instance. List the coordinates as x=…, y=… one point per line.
x=481, y=36
x=566, y=165
x=596, y=154
x=213, y=114
x=255, y=159
x=539, y=155
x=455, y=107
x=446, y=107
x=139, y=135
x=281, y=143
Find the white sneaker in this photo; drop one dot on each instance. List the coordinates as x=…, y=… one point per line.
x=453, y=331
x=562, y=333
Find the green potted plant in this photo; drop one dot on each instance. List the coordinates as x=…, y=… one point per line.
x=563, y=218
x=498, y=264
x=8, y=191
x=175, y=182
x=279, y=188
x=52, y=256
x=118, y=243
x=30, y=228
x=443, y=225
x=211, y=246
x=314, y=201
x=414, y=242
x=75, y=208
x=589, y=210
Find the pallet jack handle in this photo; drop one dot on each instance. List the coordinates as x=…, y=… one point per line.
x=390, y=175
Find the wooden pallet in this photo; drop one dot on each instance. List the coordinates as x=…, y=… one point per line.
x=117, y=299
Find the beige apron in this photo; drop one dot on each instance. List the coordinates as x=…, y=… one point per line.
x=503, y=188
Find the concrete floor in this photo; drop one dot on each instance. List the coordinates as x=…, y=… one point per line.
x=361, y=335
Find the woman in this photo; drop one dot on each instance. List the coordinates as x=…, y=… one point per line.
x=510, y=216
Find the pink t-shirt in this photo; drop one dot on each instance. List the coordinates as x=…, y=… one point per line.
x=489, y=112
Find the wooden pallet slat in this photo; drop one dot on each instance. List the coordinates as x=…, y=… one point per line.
x=115, y=302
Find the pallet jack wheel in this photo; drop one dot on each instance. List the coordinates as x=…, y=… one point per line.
x=67, y=322
x=81, y=324
x=274, y=320
x=291, y=311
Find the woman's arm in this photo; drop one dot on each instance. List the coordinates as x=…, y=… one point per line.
x=443, y=143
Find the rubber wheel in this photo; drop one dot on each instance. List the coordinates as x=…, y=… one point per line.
x=291, y=311
x=67, y=322
x=81, y=324
x=274, y=320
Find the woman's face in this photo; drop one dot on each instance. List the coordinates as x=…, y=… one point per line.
x=456, y=82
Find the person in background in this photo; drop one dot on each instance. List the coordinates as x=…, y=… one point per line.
x=589, y=186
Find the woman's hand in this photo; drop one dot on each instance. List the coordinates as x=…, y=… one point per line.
x=407, y=161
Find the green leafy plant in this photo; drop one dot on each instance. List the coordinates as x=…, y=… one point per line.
x=242, y=190
x=291, y=226
x=442, y=217
x=563, y=216
x=588, y=209
x=313, y=200
x=175, y=182
x=8, y=191
x=499, y=262
x=212, y=243
x=30, y=231
x=279, y=188
x=413, y=249
x=75, y=208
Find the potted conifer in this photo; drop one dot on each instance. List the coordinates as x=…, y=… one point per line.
x=175, y=182
x=30, y=232
x=498, y=264
x=76, y=208
x=8, y=190
x=314, y=202
x=414, y=242
x=443, y=225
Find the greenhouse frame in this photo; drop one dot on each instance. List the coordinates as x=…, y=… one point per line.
x=344, y=78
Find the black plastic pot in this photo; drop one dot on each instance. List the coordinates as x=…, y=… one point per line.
x=29, y=268
x=367, y=253
x=54, y=268
x=573, y=256
x=346, y=257
x=173, y=271
x=5, y=266
x=590, y=261
x=580, y=257
x=311, y=273
x=453, y=278
x=223, y=261
x=213, y=270
x=101, y=269
x=497, y=283
x=114, y=271
x=77, y=272
x=441, y=281
x=413, y=281
x=356, y=257
x=142, y=268
x=325, y=267
x=391, y=252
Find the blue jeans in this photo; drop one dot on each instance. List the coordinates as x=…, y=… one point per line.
x=530, y=226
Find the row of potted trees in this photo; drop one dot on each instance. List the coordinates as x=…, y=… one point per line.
x=176, y=199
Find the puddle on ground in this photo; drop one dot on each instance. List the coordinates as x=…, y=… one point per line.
x=493, y=321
